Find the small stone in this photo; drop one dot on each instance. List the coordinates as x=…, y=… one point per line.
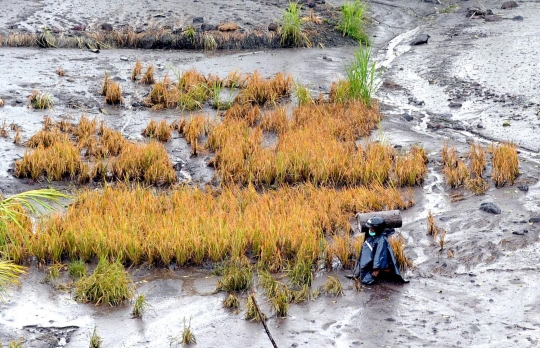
x=534, y=219
x=492, y=18
x=124, y=58
x=420, y=40
x=390, y=319
x=407, y=117
x=523, y=187
x=519, y=233
x=509, y=4
x=272, y=27
x=480, y=126
x=490, y=208
x=517, y=18
x=198, y=20
x=455, y=105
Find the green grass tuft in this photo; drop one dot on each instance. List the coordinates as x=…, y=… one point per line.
x=292, y=34
x=109, y=284
x=352, y=22
x=361, y=76
x=77, y=269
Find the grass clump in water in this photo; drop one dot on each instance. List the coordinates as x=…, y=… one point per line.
x=108, y=284
x=95, y=340
x=40, y=100
x=332, y=287
x=158, y=130
x=139, y=306
x=137, y=70
x=232, y=301
x=352, y=21
x=505, y=164
x=251, y=311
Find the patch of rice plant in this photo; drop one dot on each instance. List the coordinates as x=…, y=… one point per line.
x=352, y=21
x=137, y=70
x=187, y=335
x=332, y=287
x=46, y=39
x=148, y=77
x=60, y=71
x=109, y=284
x=209, y=42
x=232, y=301
x=114, y=94
x=40, y=100
x=251, y=311
x=105, y=85
x=291, y=31
x=139, y=306
x=237, y=276
x=397, y=242
x=2, y=103
x=362, y=76
x=189, y=33
x=77, y=268
x=432, y=228
x=95, y=339
x=441, y=240
x=301, y=273
x=505, y=163
x=158, y=130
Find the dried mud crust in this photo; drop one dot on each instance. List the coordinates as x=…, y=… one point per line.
x=197, y=35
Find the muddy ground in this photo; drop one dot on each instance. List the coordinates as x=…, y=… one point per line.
x=474, y=80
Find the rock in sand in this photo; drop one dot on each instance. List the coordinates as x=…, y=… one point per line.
x=420, y=40
x=509, y=4
x=490, y=208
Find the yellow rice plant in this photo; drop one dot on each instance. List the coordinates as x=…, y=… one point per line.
x=455, y=170
x=342, y=247
x=158, y=130
x=190, y=79
x=164, y=94
x=275, y=120
x=397, y=242
x=477, y=158
x=410, y=169
x=105, y=86
x=148, y=77
x=148, y=163
x=86, y=127
x=252, y=114
x=505, y=164
x=62, y=159
x=193, y=129
x=193, y=226
x=235, y=80
x=112, y=141
x=432, y=228
x=114, y=94
x=265, y=91
x=46, y=138
x=137, y=70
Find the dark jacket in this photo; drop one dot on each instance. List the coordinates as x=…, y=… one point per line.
x=376, y=253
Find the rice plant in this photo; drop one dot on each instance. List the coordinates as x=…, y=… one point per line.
x=77, y=269
x=291, y=31
x=352, y=21
x=432, y=228
x=332, y=287
x=187, y=335
x=95, y=340
x=60, y=71
x=139, y=306
x=108, y=284
x=303, y=94
x=148, y=77
x=2, y=103
x=40, y=100
x=209, y=43
x=441, y=240
x=105, y=85
x=231, y=301
x=137, y=70
x=237, y=277
x=397, y=242
x=9, y=274
x=455, y=170
x=300, y=274
x=113, y=95
x=505, y=164
x=252, y=313
x=158, y=130
x=362, y=76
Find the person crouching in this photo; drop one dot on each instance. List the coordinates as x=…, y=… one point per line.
x=376, y=259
